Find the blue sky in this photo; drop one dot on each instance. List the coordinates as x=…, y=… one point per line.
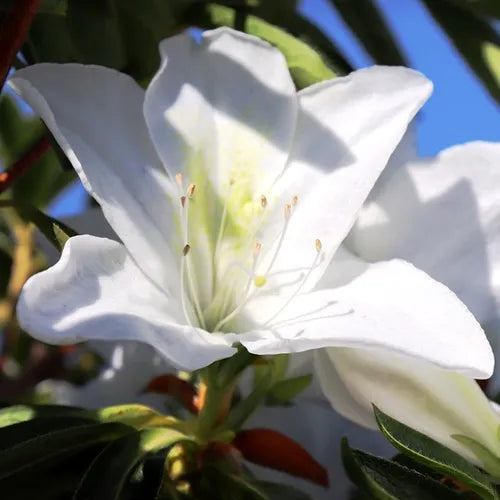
x=459, y=110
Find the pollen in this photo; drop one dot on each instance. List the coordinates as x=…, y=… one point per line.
x=259, y=281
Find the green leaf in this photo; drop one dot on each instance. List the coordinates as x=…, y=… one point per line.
x=474, y=37
x=286, y=390
x=49, y=40
x=55, y=231
x=484, y=7
x=50, y=480
x=434, y=455
x=367, y=23
x=107, y=476
x=22, y=413
x=382, y=479
x=234, y=485
x=23, y=431
x=137, y=416
x=142, y=26
x=278, y=491
x=41, y=448
x=242, y=411
x=305, y=64
x=491, y=462
x=93, y=27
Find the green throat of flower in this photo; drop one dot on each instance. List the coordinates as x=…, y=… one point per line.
x=224, y=262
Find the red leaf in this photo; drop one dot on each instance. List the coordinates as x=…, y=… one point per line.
x=174, y=386
x=277, y=451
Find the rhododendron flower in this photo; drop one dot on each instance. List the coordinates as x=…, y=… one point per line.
x=231, y=194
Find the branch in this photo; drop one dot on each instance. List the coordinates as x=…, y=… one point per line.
x=12, y=32
x=8, y=176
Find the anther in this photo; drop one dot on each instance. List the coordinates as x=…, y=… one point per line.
x=190, y=190
x=295, y=199
x=263, y=201
x=256, y=249
x=186, y=249
x=287, y=211
x=183, y=201
x=178, y=179
x=318, y=245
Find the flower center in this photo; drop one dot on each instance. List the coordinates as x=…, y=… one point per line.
x=231, y=255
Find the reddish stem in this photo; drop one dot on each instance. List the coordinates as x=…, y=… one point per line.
x=13, y=31
x=8, y=176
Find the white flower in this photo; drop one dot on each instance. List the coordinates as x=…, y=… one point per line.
x=442, y=214
x=235, y=248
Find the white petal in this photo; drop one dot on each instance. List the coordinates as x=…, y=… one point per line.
x=96, y=291
x=334, y=166
x=391, y=306
x=437, y=402
x=442, y=214
x=225, y=108
x=96, y=116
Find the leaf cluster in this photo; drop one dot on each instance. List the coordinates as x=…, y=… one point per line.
x=423, y=469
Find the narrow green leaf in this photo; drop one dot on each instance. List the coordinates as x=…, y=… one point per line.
x=21, y=413
x=382, y=479
x=484, y=7
x=47, y=446
x=137, y=416
x=433, y=454
x=102, y=43
x=474, y=37
x=107, y=476
x=54, y=479
x=491, y=462
x=235, y=485
x=305, y=64
x=55, y=231
x=278, y=491
x=242, y=411
x=286, y=390
x=368, y=24
x=23, y=431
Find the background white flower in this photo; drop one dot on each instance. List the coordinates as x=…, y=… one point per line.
x=441, y=214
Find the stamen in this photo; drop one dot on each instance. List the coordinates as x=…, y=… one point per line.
x=256, y=250
x=185, y=251
x=318, y=247
x=178, y=179
x=258, y=281
x=288, y=211
x=190, y=190
x=220, y=235
x=295, y=199
x=186, y=267
x=263, y=201
x=287, y=215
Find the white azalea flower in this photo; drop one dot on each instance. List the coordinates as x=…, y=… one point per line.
x=229, y=247
x=442, y=214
